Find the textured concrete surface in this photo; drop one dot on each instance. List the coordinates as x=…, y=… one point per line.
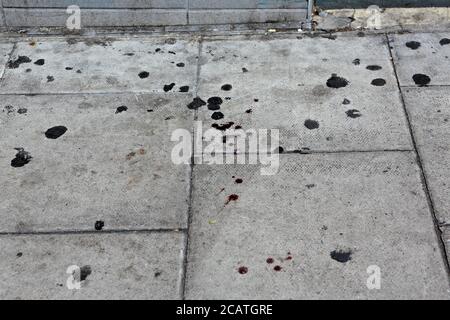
x=315, y=205
x=360, y=200
x=108, y=166
x=100, y=65
x=5, y=50
x=122, y=266
x=288, y=78
x=430, y=115
x=427, y=59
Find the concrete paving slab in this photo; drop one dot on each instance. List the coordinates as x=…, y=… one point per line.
x=103, y=65
x=282, y=83
x=430, y=115
x=422, y=53
x=112, y=164
x=114, y=266
x=5, y=50
x=446, y=238
x=313, y=230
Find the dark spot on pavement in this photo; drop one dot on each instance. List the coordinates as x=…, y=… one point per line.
x=14, y=64
x=311, y=124
x=336, y=82
x=217, y=115
x=180, y=65
x=414, y=45
x=99, y=225
x=444, y=41
x=22, y=111
x=214, y=103
x=239, y=181
x=129, y=54
x=19, y=254
x=279, y=150
x=277, y=268
x=184, y=89
x=169, y=87
x=144, y=74
x=232, y=197
x=378, y=82
x=55, y=132
x=227, y=87
x=22, y=158
x=357, y=62
x=310, y=186
x=196, y=103
x=222, y=127
x=373, y=67
x=421, y=79
x=85, y=271
x=248, y=111
x=270, y=260
x=121, y=109
x=353, y=113
x=242, y=270
x=346, y=101
x=39, y=62
x=341, y=256
x=244, y=70
x=50, y=78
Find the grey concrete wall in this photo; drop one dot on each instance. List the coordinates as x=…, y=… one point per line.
x=336, y=4
x=30, y=13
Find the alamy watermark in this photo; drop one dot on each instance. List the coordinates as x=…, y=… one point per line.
x=73, y=22
x=222, y=144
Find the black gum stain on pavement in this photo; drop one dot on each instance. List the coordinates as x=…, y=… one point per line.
x=341, y=256
x=55, y=132
x=222, y=127
x=169, y=87
x=144, y=74
x=217, y=115
x=421, y=80
x=311, y=124
x=180, y=65
x=214, y=103
x=378, y=82
x=373, y=67
x=50, y=78
x=444, y=41
x=239, y=181
x=184, y=89
x=85, y=271
x=357, y=62
x=39, y=62
x=22, y=158
x=121, y=109
x=99, y=225
x=413, y=45
x=336, y=82
x=14, y=64
x=353, y=113
x=196, y=103
x=227, y=87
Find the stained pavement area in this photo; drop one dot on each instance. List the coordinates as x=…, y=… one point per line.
x=87, y=177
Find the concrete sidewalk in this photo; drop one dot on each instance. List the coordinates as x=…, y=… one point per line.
x=87, y=177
